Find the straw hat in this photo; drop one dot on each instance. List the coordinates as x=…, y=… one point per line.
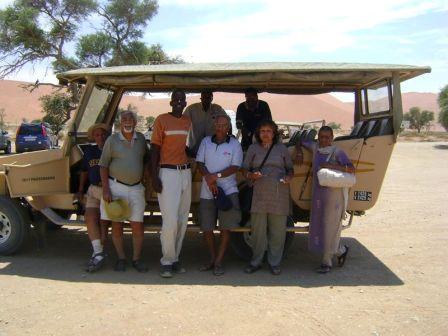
x=117, y=210
x=94, y=127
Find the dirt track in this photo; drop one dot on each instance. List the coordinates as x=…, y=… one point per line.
x=394, y=282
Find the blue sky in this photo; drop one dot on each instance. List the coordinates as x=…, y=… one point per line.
x=380, y=31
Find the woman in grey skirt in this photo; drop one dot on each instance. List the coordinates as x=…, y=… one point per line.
x=270, y=201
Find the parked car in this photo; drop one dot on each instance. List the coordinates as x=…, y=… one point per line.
x=33, y=136
x=5, y=141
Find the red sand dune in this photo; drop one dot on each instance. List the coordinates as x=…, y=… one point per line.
x=20, y=104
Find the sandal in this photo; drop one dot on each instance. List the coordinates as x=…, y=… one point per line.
x=342, y=257
x=120, y=265
x=96, y=262
x=218, y=270
x=207, y=267
x=139, y=266
x=323, y=269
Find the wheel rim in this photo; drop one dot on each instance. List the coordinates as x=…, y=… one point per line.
x=247, y=235
x=5, y=228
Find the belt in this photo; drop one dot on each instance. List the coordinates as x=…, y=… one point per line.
x=99, y=184
x=126, y=184
x=179, y=167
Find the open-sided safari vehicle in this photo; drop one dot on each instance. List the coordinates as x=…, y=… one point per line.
x=44, y=182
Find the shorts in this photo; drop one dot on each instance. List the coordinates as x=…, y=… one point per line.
x=208, y=213
x=93, y=196
x=134, y=195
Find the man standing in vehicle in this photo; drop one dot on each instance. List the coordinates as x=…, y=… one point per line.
x=90, y=174
x=203, y=116
x=249, y=114
x=219, y=158
x=171, y=179
x=122, y=167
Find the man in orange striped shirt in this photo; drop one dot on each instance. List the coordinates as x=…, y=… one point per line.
x=171, y=179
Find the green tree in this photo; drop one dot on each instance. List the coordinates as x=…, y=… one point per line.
x=57, y=108
x=443, y=104
x=149, y=121
x=419, y=119
x=335, y=126
x=37, y=30
x=33, y=31
x=2, y=119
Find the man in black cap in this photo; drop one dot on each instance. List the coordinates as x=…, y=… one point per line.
x=249, y=114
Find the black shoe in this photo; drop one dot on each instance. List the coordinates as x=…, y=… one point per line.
x=342, y=257
x=323, y=269
x=251, y=268
x=139, y=266
x=275, y=270
x=177, y=268
x=120, y=265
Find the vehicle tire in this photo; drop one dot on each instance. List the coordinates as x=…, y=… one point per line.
x=8, y=148
x=240, y=241
x=14, y=227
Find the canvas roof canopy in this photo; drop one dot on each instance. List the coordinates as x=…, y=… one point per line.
x=275, y=77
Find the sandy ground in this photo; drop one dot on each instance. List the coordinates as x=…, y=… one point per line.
x=394, y=282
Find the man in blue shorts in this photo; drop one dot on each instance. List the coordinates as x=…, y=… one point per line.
x=90, y=175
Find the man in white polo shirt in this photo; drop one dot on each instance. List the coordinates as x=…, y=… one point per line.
x=219, y=158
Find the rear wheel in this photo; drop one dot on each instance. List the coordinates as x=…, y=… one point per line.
x=8, y=148
x=14, y=227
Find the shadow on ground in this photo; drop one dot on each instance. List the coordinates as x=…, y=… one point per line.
x=67, y=251
x=441, y=146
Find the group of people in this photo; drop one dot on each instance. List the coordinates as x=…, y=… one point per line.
x=115, y=166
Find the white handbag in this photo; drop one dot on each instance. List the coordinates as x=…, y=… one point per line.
x=334, y=178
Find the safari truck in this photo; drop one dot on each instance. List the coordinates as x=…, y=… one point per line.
x=42, y=184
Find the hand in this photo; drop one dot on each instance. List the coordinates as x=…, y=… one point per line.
x=254, y=176
x=107, y=195
x=210, y=179
x=286, y=180
x=213, y=188
x=157, y=185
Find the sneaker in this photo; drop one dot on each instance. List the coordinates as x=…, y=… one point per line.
x=275, y=270
x=96, y=262
x=166, y=271
x=177, y=268
x=251, y=268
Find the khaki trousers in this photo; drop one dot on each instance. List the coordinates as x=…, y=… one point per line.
x=174, y=203
x=268, y=231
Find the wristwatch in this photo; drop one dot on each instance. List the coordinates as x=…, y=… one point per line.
x=219, y=175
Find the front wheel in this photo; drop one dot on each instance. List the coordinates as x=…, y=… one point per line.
x=13, y=226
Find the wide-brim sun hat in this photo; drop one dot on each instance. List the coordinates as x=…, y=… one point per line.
x=94, y=127
x=118, y=210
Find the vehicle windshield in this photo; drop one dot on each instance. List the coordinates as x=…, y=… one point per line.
x=96, y=108
x=30, y=130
